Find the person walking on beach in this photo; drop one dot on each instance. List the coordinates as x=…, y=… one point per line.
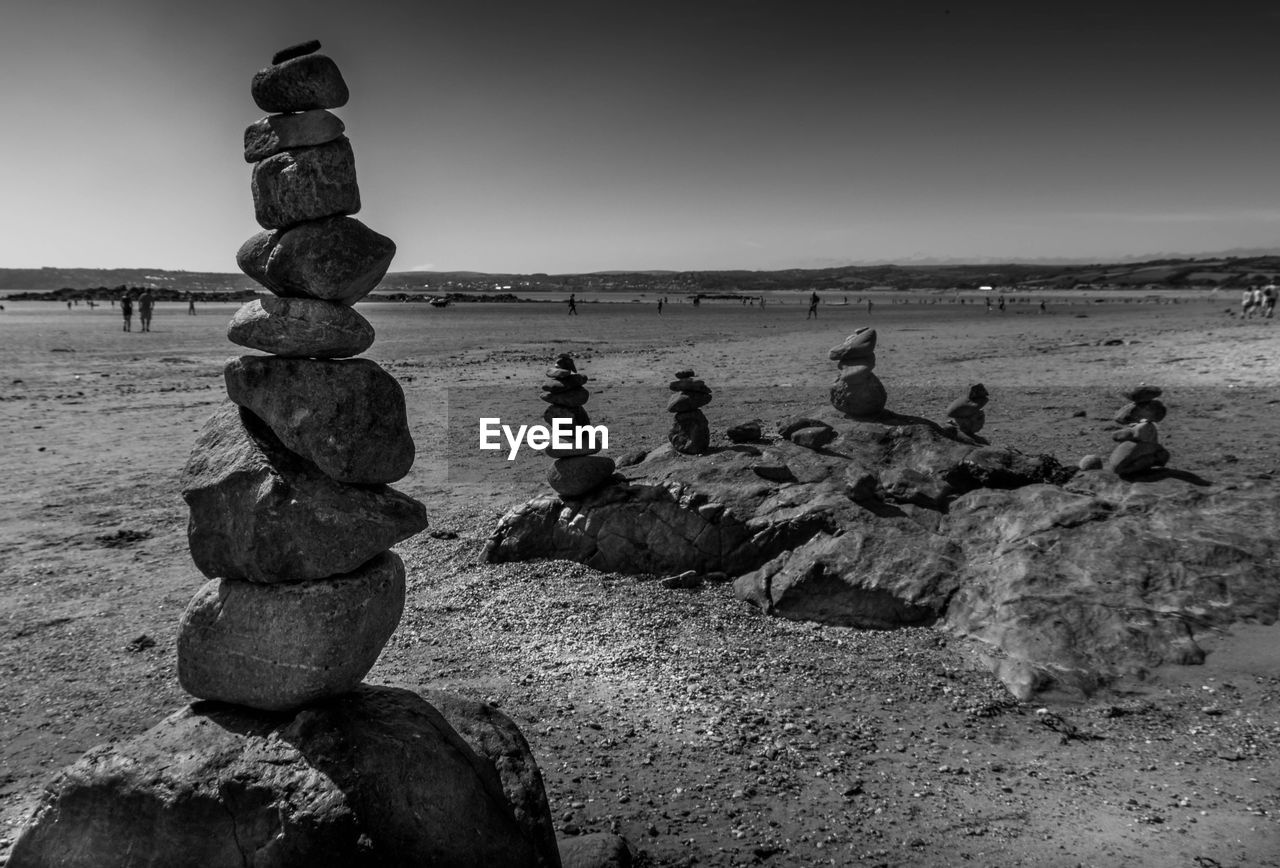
x=126, y=310
x=146, y=303
x=813, y=306
x=191, y=305
x=1269, y=301
x=1000, y=304
x=573, y=305
x=659, y=307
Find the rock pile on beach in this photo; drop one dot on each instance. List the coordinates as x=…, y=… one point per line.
x=577, y=470
x=690, y=433
x=857, y=392
x=1144, y=406
x=966, y=415
x=291, y=518
x=1138, y=443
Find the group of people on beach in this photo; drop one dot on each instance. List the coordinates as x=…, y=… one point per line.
x=1260, y=301
x=146, y=304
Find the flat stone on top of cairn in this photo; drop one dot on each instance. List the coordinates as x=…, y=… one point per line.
x=857, y=391
x=576, y=471
x=690, y=432
x=299, y=83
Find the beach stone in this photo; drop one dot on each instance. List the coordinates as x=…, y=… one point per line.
x=347, y=416
x=578, y=415
x=856, y=347
x=687, y=384
x=311, y=46
x=340, y=784
x=567, y=378
x=1148, y=411
x=683, y=402
x=305, y=184
x=338, y=259
x=276, y=647
x=686, y=374
x=577, y=418
x=690, y=434
x=1144, y=393
x=564, y=361
x=1135, y=456
x=574, y=477
x=1142, y=432
x=275, y=133
x=597, y=850
x=787, y=427
x=1091, y=462
x=861, y=397
x=261, y=513
x=298, y=84
x=572, y=398
x=300, y=328
x=747, y=432
x=813, y=438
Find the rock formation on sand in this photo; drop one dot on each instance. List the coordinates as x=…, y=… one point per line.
x=690, y=433
x=289, y=760
x=577, y=469
x=857, y=392
x=1139, y=446
x=1060, y=581
x=966, y=415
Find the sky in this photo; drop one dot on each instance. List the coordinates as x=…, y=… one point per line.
x=570, y=136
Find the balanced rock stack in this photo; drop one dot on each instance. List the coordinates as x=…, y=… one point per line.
x=576, y=471
x=1139, y=446
x=291, y=516
x=966, y=414
x=690, y=433
x=857, y=391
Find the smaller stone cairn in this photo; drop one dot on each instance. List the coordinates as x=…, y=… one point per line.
x=965, y=414
x=576, y=471
x=857, y=391
x=690, y=433
x=1139, y=446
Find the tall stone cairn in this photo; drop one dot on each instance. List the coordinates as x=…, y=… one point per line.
x=576, y=471
x=1138, y=443
x=690, y=433
x=292, y=518
x=857, y=391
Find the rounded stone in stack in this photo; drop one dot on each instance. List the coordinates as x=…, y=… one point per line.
x=303, y=184
x=301, y=328
x=280, y=646
x=1134, y=456
x=338, y=259
x=576, y=418
x=300, y=83
x=275, y=133
x=1143, y=393
x=1147, y=411
x=966, y=413
x=574, y=396
x=858, y=348
x=347, y=416
x=690, y=432
x=574, y=477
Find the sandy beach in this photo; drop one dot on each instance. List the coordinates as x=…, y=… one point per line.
x=699, y=730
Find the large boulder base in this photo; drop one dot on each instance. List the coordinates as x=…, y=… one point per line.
x=262, y=514
x=907, y=525
x=281, y=646
x=377, y=777
x=346, y=416
x=300, y=328
x=305, y=184
x=337, y=259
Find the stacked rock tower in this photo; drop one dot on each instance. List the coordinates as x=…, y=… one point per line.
x=966, y=414
x=857, y=391
x=1138, y=443
x=690, y=433
x=292, y=518
x=577, y=470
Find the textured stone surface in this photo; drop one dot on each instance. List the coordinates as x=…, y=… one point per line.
x=281, y=646
x=275, y=133
x=374, y=779
x=690, y=434
x=860, y=398
x=575, y=397
x=346, y=416
x=683, y=402
x=261, y=513
x=597, y=850
x=300, y=328
x=813, y=438
x=747, y=432
x=859, y=348
x=1134, y=456
x=305, y=184
x=338, y=259
x=311, y=46
x=1148, y=411
x=311, y=81
x=574, y=477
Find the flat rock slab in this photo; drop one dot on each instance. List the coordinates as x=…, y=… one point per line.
x=301, y=328
x=346, y=416
x=305, y=184
x=378, y=777
x=298, y=84
x=262, y=514
x=275, y=133
x=338, y=259
x=276, y=647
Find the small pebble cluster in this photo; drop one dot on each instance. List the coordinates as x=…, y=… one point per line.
x=576, y=471
x=291, y=516
x=857, y=391
x=966, y=414
x=690, y=433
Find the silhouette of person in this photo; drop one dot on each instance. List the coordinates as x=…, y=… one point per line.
x=146, y=303
x=126, y=310
x=573, y=305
